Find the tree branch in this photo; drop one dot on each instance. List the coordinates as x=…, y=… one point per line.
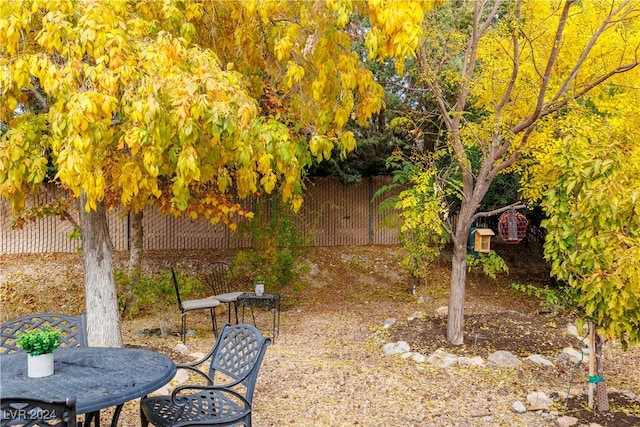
x=585, y=52
x=516, y=205
x=516, y=67
x=553, y=57
x=407, y=88
x=65, y=215
x=588, y=87
x=39, y=97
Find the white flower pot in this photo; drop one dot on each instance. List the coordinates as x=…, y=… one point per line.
x=40, y=366
x=259, y=289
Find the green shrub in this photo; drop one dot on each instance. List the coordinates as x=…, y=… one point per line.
x=491, y=263
x=415, y=207
x=156, y=293
x=563, y=298
x=276, y=246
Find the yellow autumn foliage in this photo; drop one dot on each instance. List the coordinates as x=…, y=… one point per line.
x=132, y=103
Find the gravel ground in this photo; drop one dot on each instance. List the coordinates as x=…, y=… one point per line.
x=327, y=367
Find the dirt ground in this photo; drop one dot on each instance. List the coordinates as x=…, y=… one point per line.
x=327, y=367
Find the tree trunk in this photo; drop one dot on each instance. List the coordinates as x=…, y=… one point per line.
x=103, y=320
x=135, y=241
x=135, y=259
x=455, y=316
x=602, y=399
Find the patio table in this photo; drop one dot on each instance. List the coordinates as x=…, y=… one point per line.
x=268, y=301
x=97, y=377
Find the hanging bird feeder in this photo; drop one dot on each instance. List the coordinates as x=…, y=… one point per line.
x=482, y=240
x=512, y=227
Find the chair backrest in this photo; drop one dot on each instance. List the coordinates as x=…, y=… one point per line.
x=73, y=328
x=218, y=276
x=238, y=354
x=32, y=412
x=177, y=287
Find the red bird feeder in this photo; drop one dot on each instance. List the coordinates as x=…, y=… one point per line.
x=512, y=227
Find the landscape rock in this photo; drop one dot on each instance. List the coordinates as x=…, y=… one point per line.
x=504, y=358
x=442, y=311
x=396, y=347
x=182, y=348
x=480, y=413
x=389, y=322
x=538, y=400
x=163, y=391
x=566, y=421
x=416, y=315
x=197, y=355
x=470, y=361
x=574, y=355
x=411, y=355
x=181, y=376
x=418, y=358
x=539, y=360
x=573, y=331
x=576, y=391
x=518, y=407
x=442, y=359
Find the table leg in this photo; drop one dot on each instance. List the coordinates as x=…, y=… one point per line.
x=276, y=317
x=93, y=417
x=275, y=311
x=253, y=316
x=269, y=302
x=235, y=306
x=116, y=415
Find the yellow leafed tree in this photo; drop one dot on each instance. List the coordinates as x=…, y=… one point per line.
x=115, y=100
x=500, y=74
x=179, y=104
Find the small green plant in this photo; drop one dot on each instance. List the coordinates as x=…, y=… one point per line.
x=560, y=299
x=276, y=245
x=491, y=263
x=156, y=293
x=39, y=341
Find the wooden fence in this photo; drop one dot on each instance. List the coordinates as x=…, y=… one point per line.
x=334, y=214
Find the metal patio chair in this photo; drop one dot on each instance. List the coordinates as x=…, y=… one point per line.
x=209, y=303
x=227, y=397
x=218, y=276
x=73, y=328
x=33, y=412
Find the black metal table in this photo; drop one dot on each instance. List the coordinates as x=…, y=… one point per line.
x=97, y=377
x=268, y=301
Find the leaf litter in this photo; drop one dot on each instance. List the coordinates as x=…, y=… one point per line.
x=327, y=367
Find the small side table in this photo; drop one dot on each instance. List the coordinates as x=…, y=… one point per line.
x=268, y=301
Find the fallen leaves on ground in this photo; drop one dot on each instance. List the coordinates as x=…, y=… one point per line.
x=327, y=368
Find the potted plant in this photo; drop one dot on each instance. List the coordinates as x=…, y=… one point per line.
x=259, y=286
x=39, y=345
